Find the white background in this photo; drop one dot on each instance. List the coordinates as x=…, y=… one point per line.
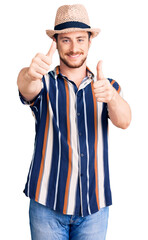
x=122, y=45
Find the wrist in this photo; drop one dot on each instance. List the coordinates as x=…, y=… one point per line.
x=114, y=98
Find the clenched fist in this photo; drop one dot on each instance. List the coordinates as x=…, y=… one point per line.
x=29, y=79
x=103, y=90
x=40, y=63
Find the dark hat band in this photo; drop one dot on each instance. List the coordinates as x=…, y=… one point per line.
x=72, y=24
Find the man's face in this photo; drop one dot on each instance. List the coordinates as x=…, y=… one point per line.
x=73, y=48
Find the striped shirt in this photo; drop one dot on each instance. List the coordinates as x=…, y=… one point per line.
x=69, y=170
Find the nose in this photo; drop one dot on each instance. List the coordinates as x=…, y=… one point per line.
x=74, y=47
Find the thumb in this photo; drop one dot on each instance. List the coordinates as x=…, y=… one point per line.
x=52, y=49
x=100, y=74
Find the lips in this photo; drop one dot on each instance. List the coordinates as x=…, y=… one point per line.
x=74, y=55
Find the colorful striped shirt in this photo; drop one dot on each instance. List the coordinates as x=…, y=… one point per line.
x=69, y=171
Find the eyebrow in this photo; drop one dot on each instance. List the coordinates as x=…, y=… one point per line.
x=82, y=37
x=70, y=38
x=64, y=37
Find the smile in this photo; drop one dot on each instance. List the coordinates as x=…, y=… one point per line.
x=74, y=56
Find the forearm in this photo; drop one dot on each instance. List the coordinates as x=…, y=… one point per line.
x=119, y=111
x=28, y=88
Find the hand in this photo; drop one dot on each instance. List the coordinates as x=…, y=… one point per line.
x=103, y=90
x=40, y=64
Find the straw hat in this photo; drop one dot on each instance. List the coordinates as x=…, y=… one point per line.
x=72, y=18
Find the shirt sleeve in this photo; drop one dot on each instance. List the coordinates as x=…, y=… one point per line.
x=33, y=101
x=36, y=103
x=115, y=85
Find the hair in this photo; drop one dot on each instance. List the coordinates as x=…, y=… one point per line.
x=56, y=36
x=89, y=35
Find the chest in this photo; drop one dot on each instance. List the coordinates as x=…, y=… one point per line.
x=70, y=105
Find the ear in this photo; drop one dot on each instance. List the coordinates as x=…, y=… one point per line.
x=55, y=40
x=90, y=41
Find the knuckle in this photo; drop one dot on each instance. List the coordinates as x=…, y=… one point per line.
x=108, y=97
x=38, y=55
x=95, y=90
x=43, y=72
x=32, y=68
x=96, y=94
x=30, y=72
x=34, y=60
x=32, y=65
x=48, y=61
x=95, y=84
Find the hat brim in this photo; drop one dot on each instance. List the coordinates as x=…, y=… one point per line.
x=94, y=31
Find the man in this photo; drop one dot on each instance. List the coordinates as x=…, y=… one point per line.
x=68, y=181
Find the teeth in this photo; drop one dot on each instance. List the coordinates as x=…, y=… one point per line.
x=74, y=56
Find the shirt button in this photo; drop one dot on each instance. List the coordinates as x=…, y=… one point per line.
x=82, y=155
x=80, y=133
x=78, y=114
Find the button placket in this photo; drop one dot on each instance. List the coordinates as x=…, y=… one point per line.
x=79, y=132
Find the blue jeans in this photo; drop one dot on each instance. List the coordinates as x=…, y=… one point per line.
x=46, y=224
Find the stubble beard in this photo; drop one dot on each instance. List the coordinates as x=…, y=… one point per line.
x=73, y=65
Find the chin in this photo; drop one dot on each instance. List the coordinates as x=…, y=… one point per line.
x=71, y=64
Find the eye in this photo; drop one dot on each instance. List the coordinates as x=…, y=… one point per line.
x=80, y=40
x=65, y=40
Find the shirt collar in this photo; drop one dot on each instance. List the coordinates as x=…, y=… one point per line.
x=89, y=74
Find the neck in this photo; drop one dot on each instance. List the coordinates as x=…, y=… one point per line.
x=74, y=74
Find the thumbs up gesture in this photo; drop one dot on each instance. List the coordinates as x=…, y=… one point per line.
x=40, y=63
x=103, y=90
